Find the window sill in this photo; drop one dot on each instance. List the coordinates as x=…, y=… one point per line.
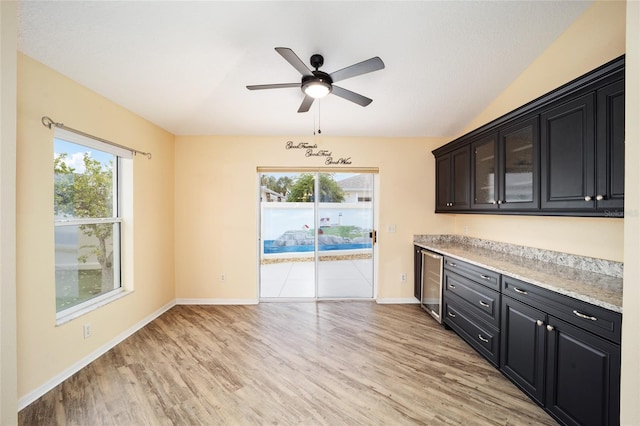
x=65, y=318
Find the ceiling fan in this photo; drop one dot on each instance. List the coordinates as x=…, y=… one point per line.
x=317, y=84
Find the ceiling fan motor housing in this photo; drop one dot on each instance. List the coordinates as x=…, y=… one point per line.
x=316, y=61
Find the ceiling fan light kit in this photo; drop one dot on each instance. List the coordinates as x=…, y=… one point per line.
x=317, y=84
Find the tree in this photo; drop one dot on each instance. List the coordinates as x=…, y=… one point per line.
x=88, y=195
x=303, y=189
x=280, y=185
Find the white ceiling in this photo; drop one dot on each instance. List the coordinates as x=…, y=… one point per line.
x=184, y=65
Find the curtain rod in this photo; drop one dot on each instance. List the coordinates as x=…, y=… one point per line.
x=47, y=122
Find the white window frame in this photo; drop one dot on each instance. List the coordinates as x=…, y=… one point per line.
x=121, y=155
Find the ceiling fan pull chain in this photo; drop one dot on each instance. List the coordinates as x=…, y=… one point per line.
x=319, y=131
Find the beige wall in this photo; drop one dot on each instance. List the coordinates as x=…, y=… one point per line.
x=8, y=355
x=630, y=412
x=44, y=349
x=217, y=207
x=596, y=37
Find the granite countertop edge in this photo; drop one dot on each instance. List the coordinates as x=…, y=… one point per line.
x=588, y=286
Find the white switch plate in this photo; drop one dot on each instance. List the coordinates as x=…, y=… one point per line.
x=391, y=228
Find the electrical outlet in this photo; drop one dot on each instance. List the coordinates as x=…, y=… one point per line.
x=222, y=277
x=403, y=277
x=87, y=330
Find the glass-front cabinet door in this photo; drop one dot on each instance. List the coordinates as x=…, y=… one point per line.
x=485, y=167
x=505, y=168
x=519, y=148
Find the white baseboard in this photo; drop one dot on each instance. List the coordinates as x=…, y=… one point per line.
x=65, y=374
x=216, y=301
x=399, y=300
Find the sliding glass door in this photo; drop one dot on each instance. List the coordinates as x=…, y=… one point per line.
x=316, y=235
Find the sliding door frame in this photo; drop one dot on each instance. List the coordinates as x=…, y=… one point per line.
x=317, y=171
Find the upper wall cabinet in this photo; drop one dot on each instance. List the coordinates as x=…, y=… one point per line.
x=568, y=155
x=561, y=154
x=504, y=168
x=452, y=171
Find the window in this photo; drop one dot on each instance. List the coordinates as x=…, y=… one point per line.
x=87, y=220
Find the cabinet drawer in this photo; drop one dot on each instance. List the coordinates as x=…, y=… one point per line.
x=600, y=321
x=481, y=300
x=482, y=338
x=487, y=278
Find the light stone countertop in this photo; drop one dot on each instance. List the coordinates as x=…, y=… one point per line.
x=594, y=281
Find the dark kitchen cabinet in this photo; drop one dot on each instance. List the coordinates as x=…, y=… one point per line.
x=505, y=168
x=452, y=180
x=523, y=347
x=583, y=376
x=417, y=272
x=568, y=155
x=561, y=154
x=566, y=365
x=610, y=149
x=583, y=153
x=471, y=306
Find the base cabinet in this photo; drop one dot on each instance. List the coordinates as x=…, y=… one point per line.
x=562, y=352
x=583, y=376
x=471, y=305
x=417, y=272
x=523, y=347
x=572, y=373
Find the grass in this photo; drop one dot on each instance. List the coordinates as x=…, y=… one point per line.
x=89, y=284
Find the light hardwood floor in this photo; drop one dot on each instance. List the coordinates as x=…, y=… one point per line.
x=328, y=363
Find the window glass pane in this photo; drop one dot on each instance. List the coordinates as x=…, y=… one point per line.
x=86, y=262
x=87, y=228
x=83, y=181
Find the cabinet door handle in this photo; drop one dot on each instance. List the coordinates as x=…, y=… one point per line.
x=517, y=290
x=500, y=202
x=587, y=198
x=550, y=328
x=451, y=314
x=539, y=323
x=483, y=339
x=485, y=277
x=599, y=197
x=485, y=304
x=584, y=316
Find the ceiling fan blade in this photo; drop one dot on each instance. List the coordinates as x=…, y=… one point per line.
x=306, y=104
x=351, y=96
x=370, y=65
x=293, y=59
x=273, y=86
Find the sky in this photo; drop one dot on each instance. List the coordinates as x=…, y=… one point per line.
x=75, y=154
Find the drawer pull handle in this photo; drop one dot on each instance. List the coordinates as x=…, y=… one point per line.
x=485, y=304
x=482, y=338
x=453, y=264
x=517, y=290
x=452, y=286
x=583, y=316
x=451, y=314
x=485, y=277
